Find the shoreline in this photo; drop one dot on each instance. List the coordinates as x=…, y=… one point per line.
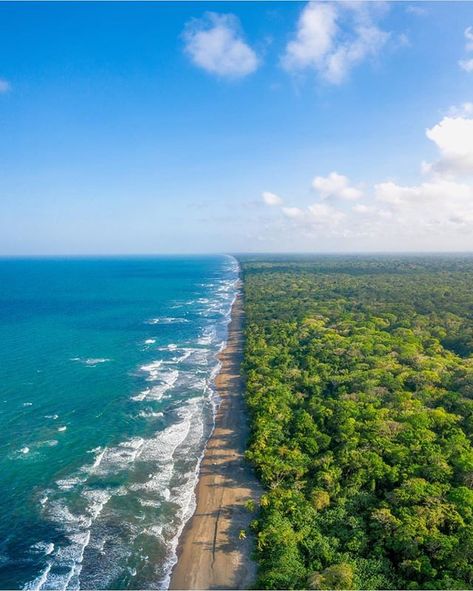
x=210, y=553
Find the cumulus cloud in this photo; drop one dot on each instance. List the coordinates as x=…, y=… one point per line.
x=5, y=86
x=437, y=205
x=332, y=38
x=271, y=198
x=453, y=136
x=467, y=64
x=216, y=44
x=436, y=213
x=335, y=185
x=425, y=193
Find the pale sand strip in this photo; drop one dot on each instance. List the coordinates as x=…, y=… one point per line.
x=211, y=554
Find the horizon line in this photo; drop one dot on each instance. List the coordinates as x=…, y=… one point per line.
x=235, y=253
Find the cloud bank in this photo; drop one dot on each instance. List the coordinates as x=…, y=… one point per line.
x=435, y=213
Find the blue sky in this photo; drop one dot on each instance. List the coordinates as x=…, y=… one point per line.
x=224, y=126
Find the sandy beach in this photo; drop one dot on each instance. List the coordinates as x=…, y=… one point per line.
x=211, y=554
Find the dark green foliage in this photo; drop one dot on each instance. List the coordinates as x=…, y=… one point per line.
x=360, y=390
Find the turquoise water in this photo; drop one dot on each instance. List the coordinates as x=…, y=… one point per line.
x=106, y=402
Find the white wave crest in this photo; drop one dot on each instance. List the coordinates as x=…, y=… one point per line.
x=91, y=361
x=167, y=320
x=152, y=369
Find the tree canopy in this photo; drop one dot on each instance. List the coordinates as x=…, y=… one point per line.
x=360, y=393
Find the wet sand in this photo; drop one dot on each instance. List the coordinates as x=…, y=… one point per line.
x=211, y=552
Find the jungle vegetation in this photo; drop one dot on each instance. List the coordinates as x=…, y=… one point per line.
x=360, y=393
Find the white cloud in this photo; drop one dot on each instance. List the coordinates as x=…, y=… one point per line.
x=320, y=216
x=439, y=205
x=469, y=38
x=216, y=44
x=271, y=198
x=453, y=136
x=368, y=42
x=362, y=208
x=314, y=39
x=325, y=214
x=467, y=64
x=430, y=192
x=463, y=110
x=434, y=214
x=335, y=185
x=333, y=38
x=292, y=212
x=5, y=86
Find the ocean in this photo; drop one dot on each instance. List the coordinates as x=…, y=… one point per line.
x=106, y=403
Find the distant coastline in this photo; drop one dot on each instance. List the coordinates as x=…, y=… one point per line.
x=211, y=552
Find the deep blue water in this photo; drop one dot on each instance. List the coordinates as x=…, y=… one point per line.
x=106, y=402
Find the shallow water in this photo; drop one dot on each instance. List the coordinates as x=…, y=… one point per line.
x=106, y=402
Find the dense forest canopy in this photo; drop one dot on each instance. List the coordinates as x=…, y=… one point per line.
x=360, y=391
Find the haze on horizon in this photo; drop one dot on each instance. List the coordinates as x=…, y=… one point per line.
x=216, y=127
